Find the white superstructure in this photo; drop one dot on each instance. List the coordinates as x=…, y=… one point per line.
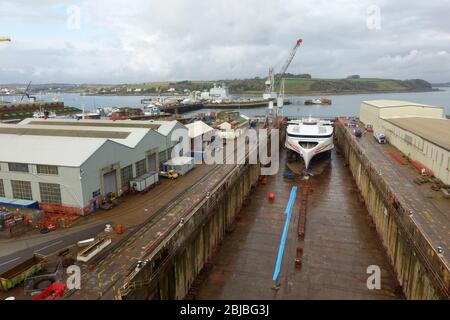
x=309, y=137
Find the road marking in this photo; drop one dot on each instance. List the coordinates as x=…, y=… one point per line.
x=50, y=245
x=12, y=260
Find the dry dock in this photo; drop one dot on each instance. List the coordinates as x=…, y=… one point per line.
x=339, y=244
x=215, y=234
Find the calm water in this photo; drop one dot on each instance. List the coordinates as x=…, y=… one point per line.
x=343, y=105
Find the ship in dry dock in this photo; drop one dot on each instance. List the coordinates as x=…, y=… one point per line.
x=310, y=137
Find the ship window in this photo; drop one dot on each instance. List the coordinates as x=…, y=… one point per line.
x=308, y=136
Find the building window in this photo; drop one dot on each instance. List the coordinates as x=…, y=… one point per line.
x=126, y=174
x=18, y=167
x=44, y=169
x=50, y=192
x=2, y=188
x=140, y=168
x=21, y=190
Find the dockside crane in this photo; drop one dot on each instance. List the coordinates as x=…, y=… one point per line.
x=274, y=79
x=31, y=98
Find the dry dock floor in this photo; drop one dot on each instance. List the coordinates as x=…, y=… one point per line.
x=339, y=244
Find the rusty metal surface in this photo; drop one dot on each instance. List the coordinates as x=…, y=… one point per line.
x=339, y=245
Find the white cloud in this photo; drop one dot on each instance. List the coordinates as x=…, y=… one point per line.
x=141, y=40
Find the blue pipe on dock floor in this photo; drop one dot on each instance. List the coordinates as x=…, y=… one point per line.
x=288, y=212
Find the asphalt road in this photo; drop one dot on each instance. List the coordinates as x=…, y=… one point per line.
x=9, y=261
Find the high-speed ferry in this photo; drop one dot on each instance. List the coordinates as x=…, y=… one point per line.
x=309, y=137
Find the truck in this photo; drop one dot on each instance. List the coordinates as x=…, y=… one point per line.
x=380, y=137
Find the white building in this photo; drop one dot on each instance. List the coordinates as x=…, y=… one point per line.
x=219, y=93
x=74, y=164
x=426, y=140
x=419, y=131
x=372, y=111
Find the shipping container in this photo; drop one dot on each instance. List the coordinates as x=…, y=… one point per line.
x=145, y=181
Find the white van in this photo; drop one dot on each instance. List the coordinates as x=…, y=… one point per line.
x=380, y=137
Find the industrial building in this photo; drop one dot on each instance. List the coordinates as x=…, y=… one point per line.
x=419, y=131
x=165, y=128
x=373, y=111
x=74, y=164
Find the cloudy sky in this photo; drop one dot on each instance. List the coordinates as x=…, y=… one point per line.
x=145, y=40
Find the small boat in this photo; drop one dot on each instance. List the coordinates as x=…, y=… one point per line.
x=310, y=137
x=88, y=115
x=151, y=110
x=44, y=114
x=126, y=113
x=321, y=101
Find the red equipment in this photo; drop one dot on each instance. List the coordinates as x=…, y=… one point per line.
x=53, y=291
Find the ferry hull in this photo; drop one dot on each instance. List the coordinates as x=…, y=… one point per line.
x=308, y=154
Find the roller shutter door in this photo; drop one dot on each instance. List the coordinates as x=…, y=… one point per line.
x=152, y=163
x=109, y=182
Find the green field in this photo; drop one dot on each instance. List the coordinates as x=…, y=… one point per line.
x=255, y=86
x=301, y=86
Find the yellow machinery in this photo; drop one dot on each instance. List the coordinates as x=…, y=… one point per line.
x=172, y=174
x=5, y=39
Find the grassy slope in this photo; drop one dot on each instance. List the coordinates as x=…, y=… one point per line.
x=297, y=86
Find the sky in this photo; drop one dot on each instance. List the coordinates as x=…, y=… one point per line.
x=137, y=41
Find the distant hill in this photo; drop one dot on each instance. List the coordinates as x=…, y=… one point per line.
x=305, y=86
x=295, y=84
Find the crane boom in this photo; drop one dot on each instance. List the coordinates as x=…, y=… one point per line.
x=26, y=92
x=289, y=59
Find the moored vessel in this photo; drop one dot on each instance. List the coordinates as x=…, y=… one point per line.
x=310, y=137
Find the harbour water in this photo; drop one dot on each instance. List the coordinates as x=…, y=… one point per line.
x=343, y=105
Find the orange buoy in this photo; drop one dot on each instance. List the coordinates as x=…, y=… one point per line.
x=119, y=229
x=271, y=196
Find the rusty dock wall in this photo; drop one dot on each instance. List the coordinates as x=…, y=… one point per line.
x=419, y=269
x=175, y=263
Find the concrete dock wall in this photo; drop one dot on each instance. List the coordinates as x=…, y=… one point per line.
x=176, y=263
x=419, y=270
